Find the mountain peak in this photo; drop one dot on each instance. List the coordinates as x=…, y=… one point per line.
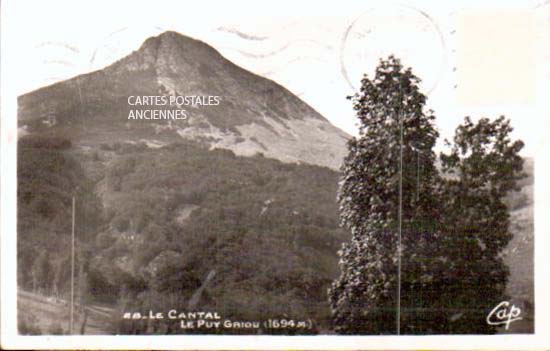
x=173, y=45
x=171, y=38
x=254, y=114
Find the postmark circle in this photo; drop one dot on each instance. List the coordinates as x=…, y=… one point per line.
x=406, y=32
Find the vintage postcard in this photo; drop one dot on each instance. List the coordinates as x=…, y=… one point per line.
x=275, y=175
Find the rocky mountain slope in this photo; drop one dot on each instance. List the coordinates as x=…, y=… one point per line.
x=255, y=114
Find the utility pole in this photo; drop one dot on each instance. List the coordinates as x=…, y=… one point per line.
x=71, y=324
x=400, y=220
x=417, y=174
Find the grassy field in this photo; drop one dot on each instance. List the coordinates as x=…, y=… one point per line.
x=39, y=314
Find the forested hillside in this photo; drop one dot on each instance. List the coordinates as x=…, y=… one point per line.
x=153, y=222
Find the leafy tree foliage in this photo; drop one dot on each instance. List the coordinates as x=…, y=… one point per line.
x=481, y=169
x=48, y=176
x=442, y=224
x=268, y=229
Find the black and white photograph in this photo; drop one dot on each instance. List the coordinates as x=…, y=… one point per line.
x=268, y=175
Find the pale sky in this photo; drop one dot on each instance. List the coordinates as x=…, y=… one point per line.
x=478, y=60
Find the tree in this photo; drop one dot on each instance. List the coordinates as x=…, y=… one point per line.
x=453, y=225
x=482, y=167
x=390, y=108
